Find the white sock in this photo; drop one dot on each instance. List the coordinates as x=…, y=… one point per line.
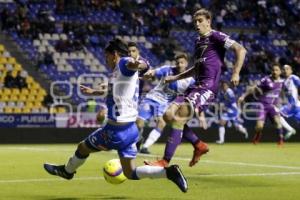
x=285, y=124
x=241, y=129
x=152, y=138
x=150, y=172
x=222, y=133
x=74, y=163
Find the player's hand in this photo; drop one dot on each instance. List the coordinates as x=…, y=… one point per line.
x=86, y=90
x=235, y=79
x=241, y=99
x=149, y=74
x=170, y=79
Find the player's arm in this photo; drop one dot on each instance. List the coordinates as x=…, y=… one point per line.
x=250, y=90
x=240, y=53
x=186, y=74
x=202, y=120
x=135, y=65
x=91, y=91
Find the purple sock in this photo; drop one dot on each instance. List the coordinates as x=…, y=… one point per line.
x=279, y=133
x=189, y=135
x=174, y=140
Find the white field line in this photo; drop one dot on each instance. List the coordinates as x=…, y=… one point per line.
x=192, y=176
x=244, y=164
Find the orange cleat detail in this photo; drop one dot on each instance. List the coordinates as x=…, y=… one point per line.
x=199, y=149
x=161, y=163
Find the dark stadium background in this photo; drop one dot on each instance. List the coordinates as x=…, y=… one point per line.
x=51, y=46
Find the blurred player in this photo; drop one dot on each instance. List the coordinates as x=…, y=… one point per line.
x=120, y=132
x=292, y=108
x=267, y=93
x=210, y=48
x=159, y=98
x=135, y=53
x=229, y=112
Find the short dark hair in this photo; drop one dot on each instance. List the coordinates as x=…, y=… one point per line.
x=203, y=12
x=132, y=44
x=181, y=55
x=117, y=45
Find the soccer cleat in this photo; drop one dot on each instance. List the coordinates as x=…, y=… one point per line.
x=256, y=138
x=200, y=148
x=280, y=143
x=58, y=170
x=289, y=134
x=176, y=176
x=144, y=151
x=160, y=163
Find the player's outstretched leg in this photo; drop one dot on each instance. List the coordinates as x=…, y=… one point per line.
x=67, y=171
x=290, y=130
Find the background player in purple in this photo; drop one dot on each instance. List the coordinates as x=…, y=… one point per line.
x=210, y=48
x=267, y=93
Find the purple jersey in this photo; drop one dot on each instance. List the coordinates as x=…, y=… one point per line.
x=270, y=90
x=209, y=58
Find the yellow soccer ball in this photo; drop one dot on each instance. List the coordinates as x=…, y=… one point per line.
x=113, y=172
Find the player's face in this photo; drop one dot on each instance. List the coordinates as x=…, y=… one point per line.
x=224, y=86
x=133, y=52
x=181, y=64
x=202, y=24
x=110, y=59
x=276, y=71
x=287, y=71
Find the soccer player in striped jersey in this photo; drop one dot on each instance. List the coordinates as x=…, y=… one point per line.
x=160, y=97
x=120, y=132
x=292, y=108
x=229, y=111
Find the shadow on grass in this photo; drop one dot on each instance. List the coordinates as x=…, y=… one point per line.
x=87, y=197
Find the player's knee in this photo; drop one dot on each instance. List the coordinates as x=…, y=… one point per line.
x=222, y=122
x=140, y=123
x=82, y=149
x=168, y=117
x=183, y=114
x=128, y=173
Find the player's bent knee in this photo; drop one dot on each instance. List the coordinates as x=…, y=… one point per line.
x=83, y=149
x=168, y=117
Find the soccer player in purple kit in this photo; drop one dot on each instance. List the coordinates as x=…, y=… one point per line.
x=210, y=48
x=267, y=93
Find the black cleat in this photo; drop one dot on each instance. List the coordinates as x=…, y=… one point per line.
x=144, y=151
x=175, y=175
x=58, y=170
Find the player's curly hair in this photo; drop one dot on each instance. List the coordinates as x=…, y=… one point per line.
x=117, y=45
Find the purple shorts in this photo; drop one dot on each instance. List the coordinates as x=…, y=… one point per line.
x=197, y=96
x=269, y=111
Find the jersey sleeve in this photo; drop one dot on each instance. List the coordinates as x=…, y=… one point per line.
x=123, y=67
x=296, y=80
x=223, y=39
x=231, y=95
x=162, y=72
x=265, y=83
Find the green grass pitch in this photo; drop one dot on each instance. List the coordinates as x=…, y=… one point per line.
x=230, y=171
